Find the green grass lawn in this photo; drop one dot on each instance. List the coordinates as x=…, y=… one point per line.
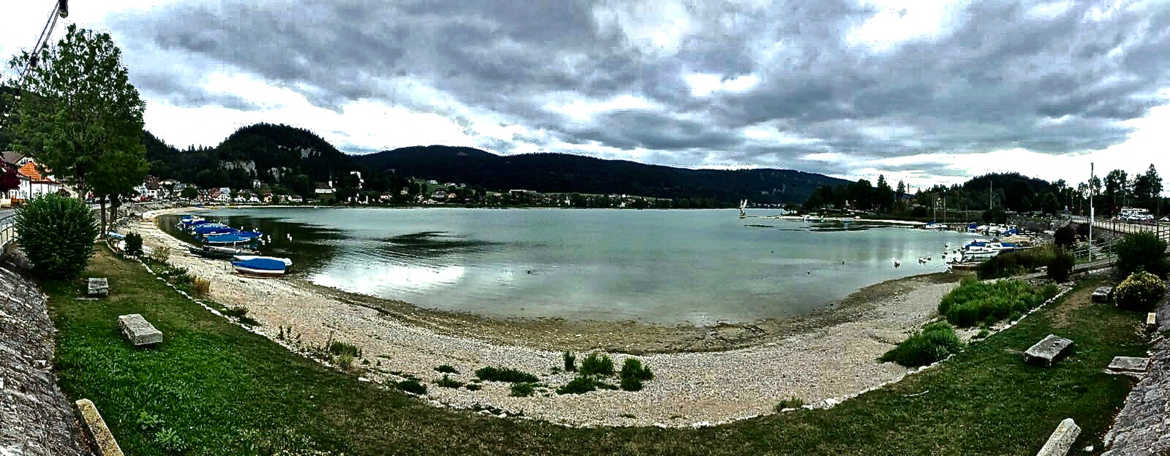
x=213, y=388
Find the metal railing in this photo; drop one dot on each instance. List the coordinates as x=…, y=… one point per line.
x=7, y=230
x=1106, y=232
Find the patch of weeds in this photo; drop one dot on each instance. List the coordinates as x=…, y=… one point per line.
x=170, y=441
x=472, y=387
x=345, y=361
x=147, y=421
x=338, y=347
x=446, y=369
x=522, y=389
x=570, y=361
x=936, y=341
x=628, y=415
x=790, y=403
x=505, y=374
x=448, y=382
x=579, y=385
x=597, y=364
x=983, y=333
x=412, y=386
x=633, y=373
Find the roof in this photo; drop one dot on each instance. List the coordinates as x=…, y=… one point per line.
x=30, y=171
x=11, y=156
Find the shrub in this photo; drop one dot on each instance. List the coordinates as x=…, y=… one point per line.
x=1016, y=262
x=790, y=403
x=934, y=342
x=1065, y=236
x=983, y=333
x=201, y=286
x=337, y=347
x=1060, y=266
x=1140, y=291
x=411, y=385
x=496, y=374
x=570, y=361
x=446, y=369
x=473, y=387
x=448, y=382
x=522, y=389
x=596, y=364
x=57, y=233
x=976, y=302
x=633, y=368
x=134, y=244
x=161, y=254
x=579, y=385
x=1141, y=252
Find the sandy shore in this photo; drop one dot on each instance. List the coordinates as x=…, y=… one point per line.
x=702, y=374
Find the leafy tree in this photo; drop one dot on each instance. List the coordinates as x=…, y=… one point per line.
x=189, y=193
x=1116, y=189
x=57, y=233
x=78, y=115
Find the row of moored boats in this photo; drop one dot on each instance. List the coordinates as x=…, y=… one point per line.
x=241, y=247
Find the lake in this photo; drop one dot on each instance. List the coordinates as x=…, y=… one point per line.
x=657, y=266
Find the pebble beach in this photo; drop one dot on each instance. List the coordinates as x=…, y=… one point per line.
x=695, y=384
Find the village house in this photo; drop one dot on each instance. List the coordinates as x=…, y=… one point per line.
x=324, y=188
x=33, y=182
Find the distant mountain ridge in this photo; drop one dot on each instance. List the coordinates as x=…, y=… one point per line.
x=276, y=153
x=556, y=172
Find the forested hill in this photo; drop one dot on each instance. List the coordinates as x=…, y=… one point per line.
x=294, y=158
x=551, y=172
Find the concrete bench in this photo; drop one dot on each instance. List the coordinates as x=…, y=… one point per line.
x=1102, y=294
x=98, y=286
x=1047, y=350
x=1129, y=364
x=139, y=331
x=95, y=429
x=1061, y=440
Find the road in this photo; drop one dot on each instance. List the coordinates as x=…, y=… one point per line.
x=6, y=212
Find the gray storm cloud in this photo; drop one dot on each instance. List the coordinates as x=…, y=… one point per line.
x=998, y=76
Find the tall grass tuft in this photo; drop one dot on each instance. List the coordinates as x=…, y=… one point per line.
x=597, y=364
x=975, y=302
x=934, y=342
x=505, y=374
x=201, y=287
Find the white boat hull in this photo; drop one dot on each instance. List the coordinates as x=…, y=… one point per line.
x=259, y=272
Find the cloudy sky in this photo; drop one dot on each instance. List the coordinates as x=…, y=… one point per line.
x=926, y=91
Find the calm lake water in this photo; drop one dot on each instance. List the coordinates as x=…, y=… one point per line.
x=660, y=266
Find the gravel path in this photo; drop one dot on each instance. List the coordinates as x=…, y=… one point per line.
x=821, y=366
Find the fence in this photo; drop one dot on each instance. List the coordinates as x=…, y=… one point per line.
x=7, y=230
x=1107, y=232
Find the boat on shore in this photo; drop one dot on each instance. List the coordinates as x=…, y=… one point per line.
x=261, y=266
x=245, y=257
x=220, y=252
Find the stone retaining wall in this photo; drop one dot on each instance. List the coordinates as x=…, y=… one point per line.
x=35, y=417
x=1143, y=425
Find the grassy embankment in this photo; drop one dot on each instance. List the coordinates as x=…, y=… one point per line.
x=213, y=388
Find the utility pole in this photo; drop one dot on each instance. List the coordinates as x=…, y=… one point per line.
x=1092, y=214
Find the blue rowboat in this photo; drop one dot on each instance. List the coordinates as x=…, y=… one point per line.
x=226, y=238
x=260, y=266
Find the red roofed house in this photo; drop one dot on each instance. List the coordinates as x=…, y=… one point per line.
x=33, y=183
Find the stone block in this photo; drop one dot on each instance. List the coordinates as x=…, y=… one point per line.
x=1047, y=350
x=139, y=331
x=1151, y=321
x=1102, y=294
x=95, y=428
x=1061, y=439
x=1129, y=364
x=98, y=286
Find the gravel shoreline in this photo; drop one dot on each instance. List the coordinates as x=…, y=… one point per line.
x=820, y=359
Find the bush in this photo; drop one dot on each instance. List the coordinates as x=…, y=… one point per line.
x=1065, y=236
x=633, y=373
x=570, y=361
x=57, y=233
x=345, y=361
x=161, y=254
x=1060, y=266
x=448, y=382
x=579, y=385
x=446, y=369
x=522, y=389
x=1141, y=252
x=1140, y=291
x=596, y=364
x=411, y=385
x=337, y=347
x=936, y=341
x=473, y=387
x=790, y=403
x=496, y=374
x=134, y=244
x=1016, y=262
x=975, y=302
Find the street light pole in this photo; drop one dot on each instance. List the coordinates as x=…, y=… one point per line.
x=1092, y=213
